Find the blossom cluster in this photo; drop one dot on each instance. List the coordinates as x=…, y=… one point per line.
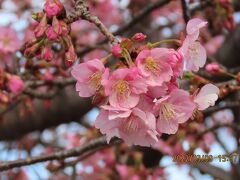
x=51, y=28
x=142, y=97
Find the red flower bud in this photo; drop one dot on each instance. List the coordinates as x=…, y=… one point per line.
x=51, y=34
x=117, y=51
x=56, y=26
x=47, y=54
x=41, y=28
x=213, y=68
x=70, y=56
x=53, y=8
x=139, y=37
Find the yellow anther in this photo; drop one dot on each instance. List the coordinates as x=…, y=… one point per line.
x=151, y=65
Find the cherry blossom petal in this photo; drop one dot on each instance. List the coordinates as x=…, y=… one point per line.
x=207, y=96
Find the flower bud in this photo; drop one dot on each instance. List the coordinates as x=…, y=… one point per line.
x=29, y=52
x=213, y=68
x=70, y=56
x=65, y=28
x=3, y=98
x=15, y=84
x=47, y=54
x=56, y=26
x=41, y=28
x=53, y=8
x=139, y=37
x=37, y=16
x=51, y=34
x=117, y=51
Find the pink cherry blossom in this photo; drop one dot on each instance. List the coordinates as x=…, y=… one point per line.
x=135, y=128
x=206, y=97
x=124, y=86
x=194, y=54
x=9, y=41
x=173, y=109
x=15, y=84
x=193, y=27
x=88, y=76
x=154, y=66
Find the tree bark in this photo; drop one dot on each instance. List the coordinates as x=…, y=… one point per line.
x=67, y=106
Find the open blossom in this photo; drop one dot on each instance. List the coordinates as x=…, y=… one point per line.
x=9, y=41
x=123, y=87
x=206, y=97
x=15, y=84
x=193, y=27
x=88, y=76
x=133, y=126
x=194, y=53
x=173, y=109
x=153, y=65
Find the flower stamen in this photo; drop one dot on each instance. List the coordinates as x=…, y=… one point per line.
x=95, y=80
x=151, y=65
x=167, y=111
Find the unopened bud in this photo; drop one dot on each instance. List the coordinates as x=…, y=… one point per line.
x=117, y=51
x=139, y=37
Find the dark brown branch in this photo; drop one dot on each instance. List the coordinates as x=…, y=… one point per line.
x=81, y=11
x=213, y=171
x=91, y=146
x=230, y=104
x=141, y=15
x=215, y=127
x=185, y=11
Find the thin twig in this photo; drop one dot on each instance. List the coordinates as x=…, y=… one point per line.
x=217, y=126
x=140, y=16
x=92, y=146
x=82, y=11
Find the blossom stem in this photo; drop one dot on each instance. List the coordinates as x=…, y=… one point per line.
x=104, y=59
x=230, y=74
x=152, y=45
x=128, y=57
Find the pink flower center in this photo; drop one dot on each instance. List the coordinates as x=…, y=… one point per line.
x=95, y=80
x=122, y=87
x=167, y=111
x=151, y=65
